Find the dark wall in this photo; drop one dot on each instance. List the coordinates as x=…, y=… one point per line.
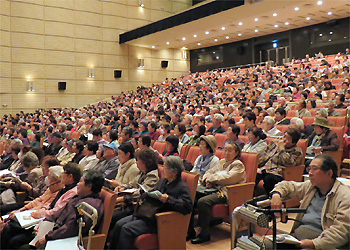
x=306, y=40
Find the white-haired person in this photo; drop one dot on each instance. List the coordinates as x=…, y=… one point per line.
x=230, y=111
x=217, y=128
x=269, y=128
x=298, y=123
x=187, y=121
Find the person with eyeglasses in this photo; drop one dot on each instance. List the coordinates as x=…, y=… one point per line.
x=326, y=223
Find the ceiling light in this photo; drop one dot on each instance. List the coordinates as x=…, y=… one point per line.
x=167, y=43
x=330, y=13
x=276, y=25
x=215, y=40
x=274, y=14
x=320, y=34
x=184, y=38
x=199, y=44
x=308, y=18
x=329, y=40
x=240, y=23
x=207, y=32
x=153, y=47
x=319, y=2
x=256, y=30
x=227, y=37
x=296, y=8
x=256, y=19
x=184, y=48
x=214, y=52
x=286, y=23
x=223, y=28
x=194, y=35
x=331, y=33
x=239, y=34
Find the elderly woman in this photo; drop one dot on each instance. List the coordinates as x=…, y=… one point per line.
x=175, y=196
x=269, y=128
x=147, y=163
x=128, y=173
x=229, y=171
x=257, y=143
x=198, y=131
x=180, y=132
x=278, y=155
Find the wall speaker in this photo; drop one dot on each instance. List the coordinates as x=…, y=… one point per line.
x=62, y=85
x=117, y=73
x=165, y=64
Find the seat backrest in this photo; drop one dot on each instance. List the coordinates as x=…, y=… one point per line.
x=193, y=153
x=244, y=138
x=291, y=113
x=192, y=181
x=282, y=128
x=159, y=146
x=109, y=198
x=242, y=127
x=340, y=133
x=302, y=143
x=75, y=135
x=220, y=138
x=184, y=151
x=337, y=121
x=250, y=161
x=220, y=153
x=308, y=120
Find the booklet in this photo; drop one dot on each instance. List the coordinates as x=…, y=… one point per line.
x=284, y=238
x=44, y=228
x=68, y=243
x=26, y=220
x=154, y=194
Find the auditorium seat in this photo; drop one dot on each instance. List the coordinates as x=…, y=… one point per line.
x=220, y=154
x=220, y=138
x=172, y=226
x=159, y=146
x=193, y=153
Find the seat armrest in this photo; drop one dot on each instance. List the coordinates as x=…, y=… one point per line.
x=294, y=173
x=239, y=193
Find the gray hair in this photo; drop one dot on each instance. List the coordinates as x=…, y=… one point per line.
x=269, y=120
x=323, y=112
x=189, y=117
x=56, y=172
x=97, y=120
x=299, y=122
x=17, y=142
x=175, y=164
x=218, y=117
x=270, y=111
x=30, y=159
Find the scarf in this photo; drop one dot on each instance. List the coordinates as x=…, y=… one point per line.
x=203, y=163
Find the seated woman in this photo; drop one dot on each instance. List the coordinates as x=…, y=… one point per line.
x=128, y=173
x=198, y=131
x=257, y=143
x=171, y=146
x=232, y=133
x=228, y=172
x=147, y=162
x=180, y=132
x=175, y=195
x=278, y=155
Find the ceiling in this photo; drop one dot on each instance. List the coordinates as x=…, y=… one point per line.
x=258, y=19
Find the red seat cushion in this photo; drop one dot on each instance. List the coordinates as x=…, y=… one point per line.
x=220, y=211
x=147, y=241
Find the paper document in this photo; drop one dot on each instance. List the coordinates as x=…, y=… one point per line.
x=68, y=243
x=154, y=194
x=44, y=228
x=284, y=238
x=26, y=220
x=128, y=191
x=7, y=172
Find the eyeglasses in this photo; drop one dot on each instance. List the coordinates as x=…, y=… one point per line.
x=312, y=168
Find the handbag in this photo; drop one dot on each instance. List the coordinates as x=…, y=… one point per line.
x=147, y=207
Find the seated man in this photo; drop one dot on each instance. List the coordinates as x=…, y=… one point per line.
x=322, y=139
x=110, y=163
x=326, y=223
x=280, y=117
x=279, y=154
x=269, y=128
x=66, y=224
x=217, y=128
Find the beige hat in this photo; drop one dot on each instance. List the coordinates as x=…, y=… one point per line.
x=321, y=121
x=210, y=139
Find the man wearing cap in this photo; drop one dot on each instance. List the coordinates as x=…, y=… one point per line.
x=217, y=128
x=322, y=139
x=54, y=140
x=110, y=163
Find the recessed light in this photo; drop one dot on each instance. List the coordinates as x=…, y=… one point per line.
x=184, y=38
x=308, y=18
x=320, y=34
x=214, y=52
x=195, y=35
x=239, y=34
x=223, y=28
x=276, y=25
x=329, y=40
x=256, y=19
x=296, y=8
x=240, y=23
x=167, y=43
x=286, y=23
x=330, y=13
x=215, y=40
x=331, y=33
x=184, y=48
x=199, y=44
x=319, y=2
x=153, y=47
x=256, y=30
x=227, y=37
x=207, y=32
x=274, y=14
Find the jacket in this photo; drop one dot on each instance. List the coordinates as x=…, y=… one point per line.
x=214, y=161
x=303, y=113
x=329, y=141
x=128, y=174
x=335, y=213
x=226, y=173
x=258, y=147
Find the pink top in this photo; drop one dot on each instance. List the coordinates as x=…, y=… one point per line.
x=61, y=202
x=42, y=202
